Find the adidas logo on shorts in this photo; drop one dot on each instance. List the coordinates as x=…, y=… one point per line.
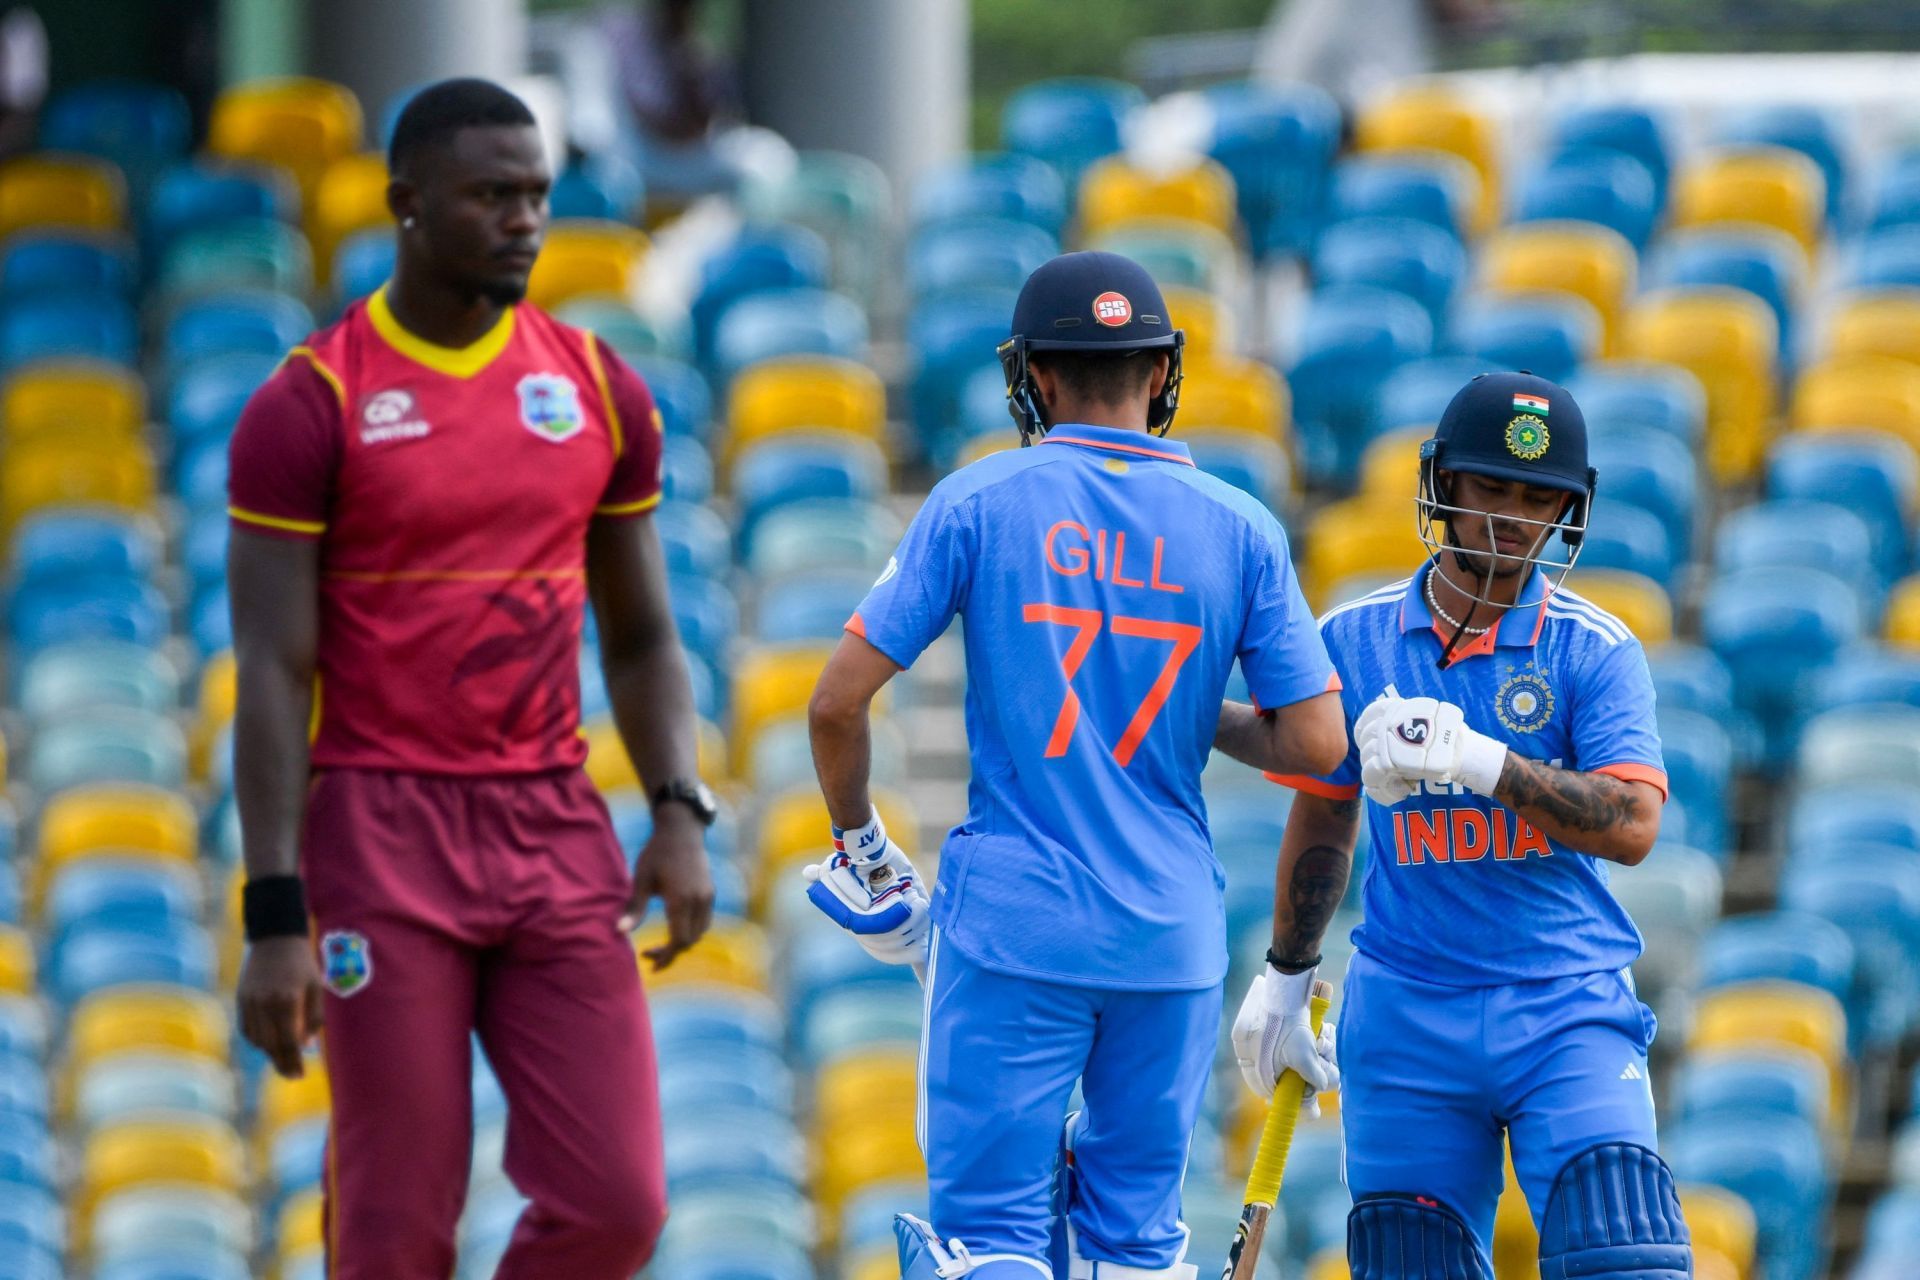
x=1632, y=1072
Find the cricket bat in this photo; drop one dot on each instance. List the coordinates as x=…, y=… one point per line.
x=1270, y=1157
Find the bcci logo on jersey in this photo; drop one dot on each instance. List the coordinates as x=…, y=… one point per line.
x=1524, y=702
x=550, y=407
x=346, y=962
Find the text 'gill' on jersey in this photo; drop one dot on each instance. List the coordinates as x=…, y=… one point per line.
x=1106, y=588
x=1459, y=889
x=450, y=490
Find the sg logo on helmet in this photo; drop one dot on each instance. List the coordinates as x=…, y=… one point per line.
x=1112, y=309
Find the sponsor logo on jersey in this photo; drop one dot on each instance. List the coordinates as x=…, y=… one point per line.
x=391, y=415
x=550, y=407
x=1527, y=437
x=1112, y=309
x=346, y=961
x=1524, y=702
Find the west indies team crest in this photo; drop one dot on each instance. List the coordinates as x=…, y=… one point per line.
x=346, y=961
x=550, y=407
x=1524, y=702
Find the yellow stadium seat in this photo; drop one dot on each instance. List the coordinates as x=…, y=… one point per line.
x=881, y=1262
x=1721, y=1222
x=1877, y=322
x=351, y=196
x=1635, y=599
x=48, y=473
x=299, y=124
x=1727, y=338
x=16, y=962
x=867, y=1153
x=587, y=258
x=300, y=1226
x=733, y=953
x=86, y=401
x=1230, y=391
x=1390, y=468
x=213, y=710
x=1355, y=537
x=131, y=1018
x=795, y=828
x=1860, y=391
x=1773, y=186
x=1329, y=1264
x=1903, y=614
x=1433, y=118
x=609, y=767
x=1589, y=261
x=1206, y=322
x=124, y=817
x=986, y=446
x=179, y=1149
x=284, y=1102
x=1750, y=1013
x=70, y=192
x=1114, y=190
x=794, y=393
x=771, y=683
x=850, y=1086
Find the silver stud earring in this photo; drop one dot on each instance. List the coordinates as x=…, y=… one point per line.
x=408, y=224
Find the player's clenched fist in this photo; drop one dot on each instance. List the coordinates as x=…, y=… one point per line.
x=1273, y=1033
x=1404, y=742
x=870, y=889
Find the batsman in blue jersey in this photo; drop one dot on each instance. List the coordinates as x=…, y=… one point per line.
x=1077, y=933
x=1503, y=735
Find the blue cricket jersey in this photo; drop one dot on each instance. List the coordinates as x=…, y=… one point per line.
x=1105, y=588
x=1458, y=889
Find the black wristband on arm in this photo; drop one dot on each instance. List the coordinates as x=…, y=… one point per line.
x=1287, y=965
x=274, y=907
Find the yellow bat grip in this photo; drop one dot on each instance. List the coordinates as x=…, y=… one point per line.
x=1276, y=1136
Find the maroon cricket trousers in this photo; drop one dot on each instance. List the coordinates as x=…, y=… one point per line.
x=445, y=906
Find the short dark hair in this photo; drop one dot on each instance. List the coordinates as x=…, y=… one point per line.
x=441, y=110
x=1099, y=376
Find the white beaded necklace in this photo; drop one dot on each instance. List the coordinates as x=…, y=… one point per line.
x=1433, y=602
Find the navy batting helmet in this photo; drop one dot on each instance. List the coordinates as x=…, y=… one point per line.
x=1512, y=426
x=1090, y=302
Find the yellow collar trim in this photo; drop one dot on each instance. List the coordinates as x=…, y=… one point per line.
x=455, y=362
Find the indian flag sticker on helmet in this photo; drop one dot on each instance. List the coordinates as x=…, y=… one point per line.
x=1112, y=309
x=1527, y=437
x=1525, y=403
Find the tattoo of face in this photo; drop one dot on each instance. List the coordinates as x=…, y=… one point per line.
x=1578, y=801
x=1319, y=881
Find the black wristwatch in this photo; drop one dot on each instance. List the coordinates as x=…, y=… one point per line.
x=691, y=792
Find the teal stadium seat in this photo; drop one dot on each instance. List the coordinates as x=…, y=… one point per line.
x=243, y=253
x=1549, y=334
x=982, y=253
x=1425, y=186
x=205, y=192
x=1403, y=254
x=108, y=745
x=992, y=185
x=1617, y=395
x=1353, y=338
x=761, y=260
x=787, y=322
x=1278, y=142
x=1777, y=628
x=1069, y=122
x=823, y=533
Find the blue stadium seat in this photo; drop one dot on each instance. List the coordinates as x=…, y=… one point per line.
x=182, y=1264
x=199, y=474
x=1629, y=130
x=64, y=542
x=696, y=539
x=1699, y=755
x=23, y=1028
x=1688, y=677
x=1777, y=628
x=787, y=322
x=205, y=397
x=1868, y=673
x=741, y=1261
x=1804, y=129
x=1615, y=394
x=96, y=608
x=33, y=1264
x=1762, y=260
x=599, y=185
x=1067, y=122
x=89, y=960
x=1623, y=536
x=975, y=253
x=702, y=1146
x=24, y=1091
x=141, y=126
x=1779, y=1168
x=1592, y=185
x=1651, y=470
x=1278, y=142
x=35, y=264
x=948, y=344
x=1871, y=473
x=686, y=470
x=31, y=1222
x=97, y=325
x=763, y=259
x=1792, y=531
x=124, y=1086
x=1416, y=393
x=706, y=613
x=762, y=1085
x=788, y=468
x=1871, y=742
x=210, y=621
x=1786, y=946
x=1402, y=254
x=9, y=906
x=363, y=263
x=1872, y=892
x=1753, y=1084
x=69, y=678
x=815, y=968
x=1893, y=1226
x=815, y=606
x=1253, y=465
x=1884, y=258
x=27, y=1154
x=1353, y=339
x=1549, y=334
x=243, y=320
x=1425, y=188
x=1837, y=819
x=1895, y=201
x=201, y=193
x=109, y=744
x=681, y=395
x=992, y=185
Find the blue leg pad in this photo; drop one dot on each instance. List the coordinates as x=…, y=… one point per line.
x=1613, y=1215
x=1407, y=1237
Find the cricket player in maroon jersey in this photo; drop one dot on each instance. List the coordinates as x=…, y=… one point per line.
x=424, y=498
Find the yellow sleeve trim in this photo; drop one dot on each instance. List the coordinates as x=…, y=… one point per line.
x=319, y=367
x=606, y=393
x=628, y=508
x=277, y=522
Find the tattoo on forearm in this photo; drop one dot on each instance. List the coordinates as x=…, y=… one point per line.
x=1319, y=881
x=1590, y=802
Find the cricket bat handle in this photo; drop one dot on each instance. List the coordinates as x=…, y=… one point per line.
x=1270, y=1156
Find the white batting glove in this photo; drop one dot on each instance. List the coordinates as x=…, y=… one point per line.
x=1273, y=1033
x=870, y=889
x=1383, y=786
x=1425, y=740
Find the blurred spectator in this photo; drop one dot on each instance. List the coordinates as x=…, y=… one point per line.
x=1349, y=47
x=679, y=99
x=23, y=75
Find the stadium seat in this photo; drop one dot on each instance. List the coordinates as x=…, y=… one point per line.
x=803, y=464
x=1860, y=391
x=1903, y=613
x=761, y=260
x=238, y=320
x=1875, y=742
x=66, y=261
x=1113, y=191
x=204, y=192
x=69, y=678
x=1888, y=258
x=1791, y=531
x=1619, y=128
x=1068, y=122
x=125, y=1086
x=95, y=326
x=76, y=192
x=1776, y=628
x=1777, y=1168
x=947, y=345
x=1769, y=1012
x=631, y=335
x=1588, y=261
x=582, y=258
x=80, y=541
x=844, y=198
x=1278, y=142
x=1176, y=254
x=298, y=124
x=254, y=253
x=1699, y=755
x=1550, y=334
x=196, y=1151
x=681, y=395
x=17, y=965
x=172, y=1233
x=1766, y=263
x=787, y=322
x=1592, y=185
x=1780, y=946
x=1806, y=130
x=1428, y=186
x=1349, y=539
x=824, y=533
x=350, y=197
x=1353, y=338
x=1232, y=394
x=769, y=684
x=361, y=264
x=695, y=538
x=1868, y=673
x=1650, y=470
x=109, y=745
x=1771, y=186
x=1877, y=322
x=1402, y=254
x=733, y=953
x=77, y=400
x=992, y=185
x=1416, y=393
x=975, y=253
x=66, y=610
x=1639, y=602
x=804, y=394
x=1435, y=118
x=125, y=817
x=1727, y=338
x=1723, y=1229
x=1874, y=473
x=1630, y=539
x=139, y=125
x=1674, y=895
